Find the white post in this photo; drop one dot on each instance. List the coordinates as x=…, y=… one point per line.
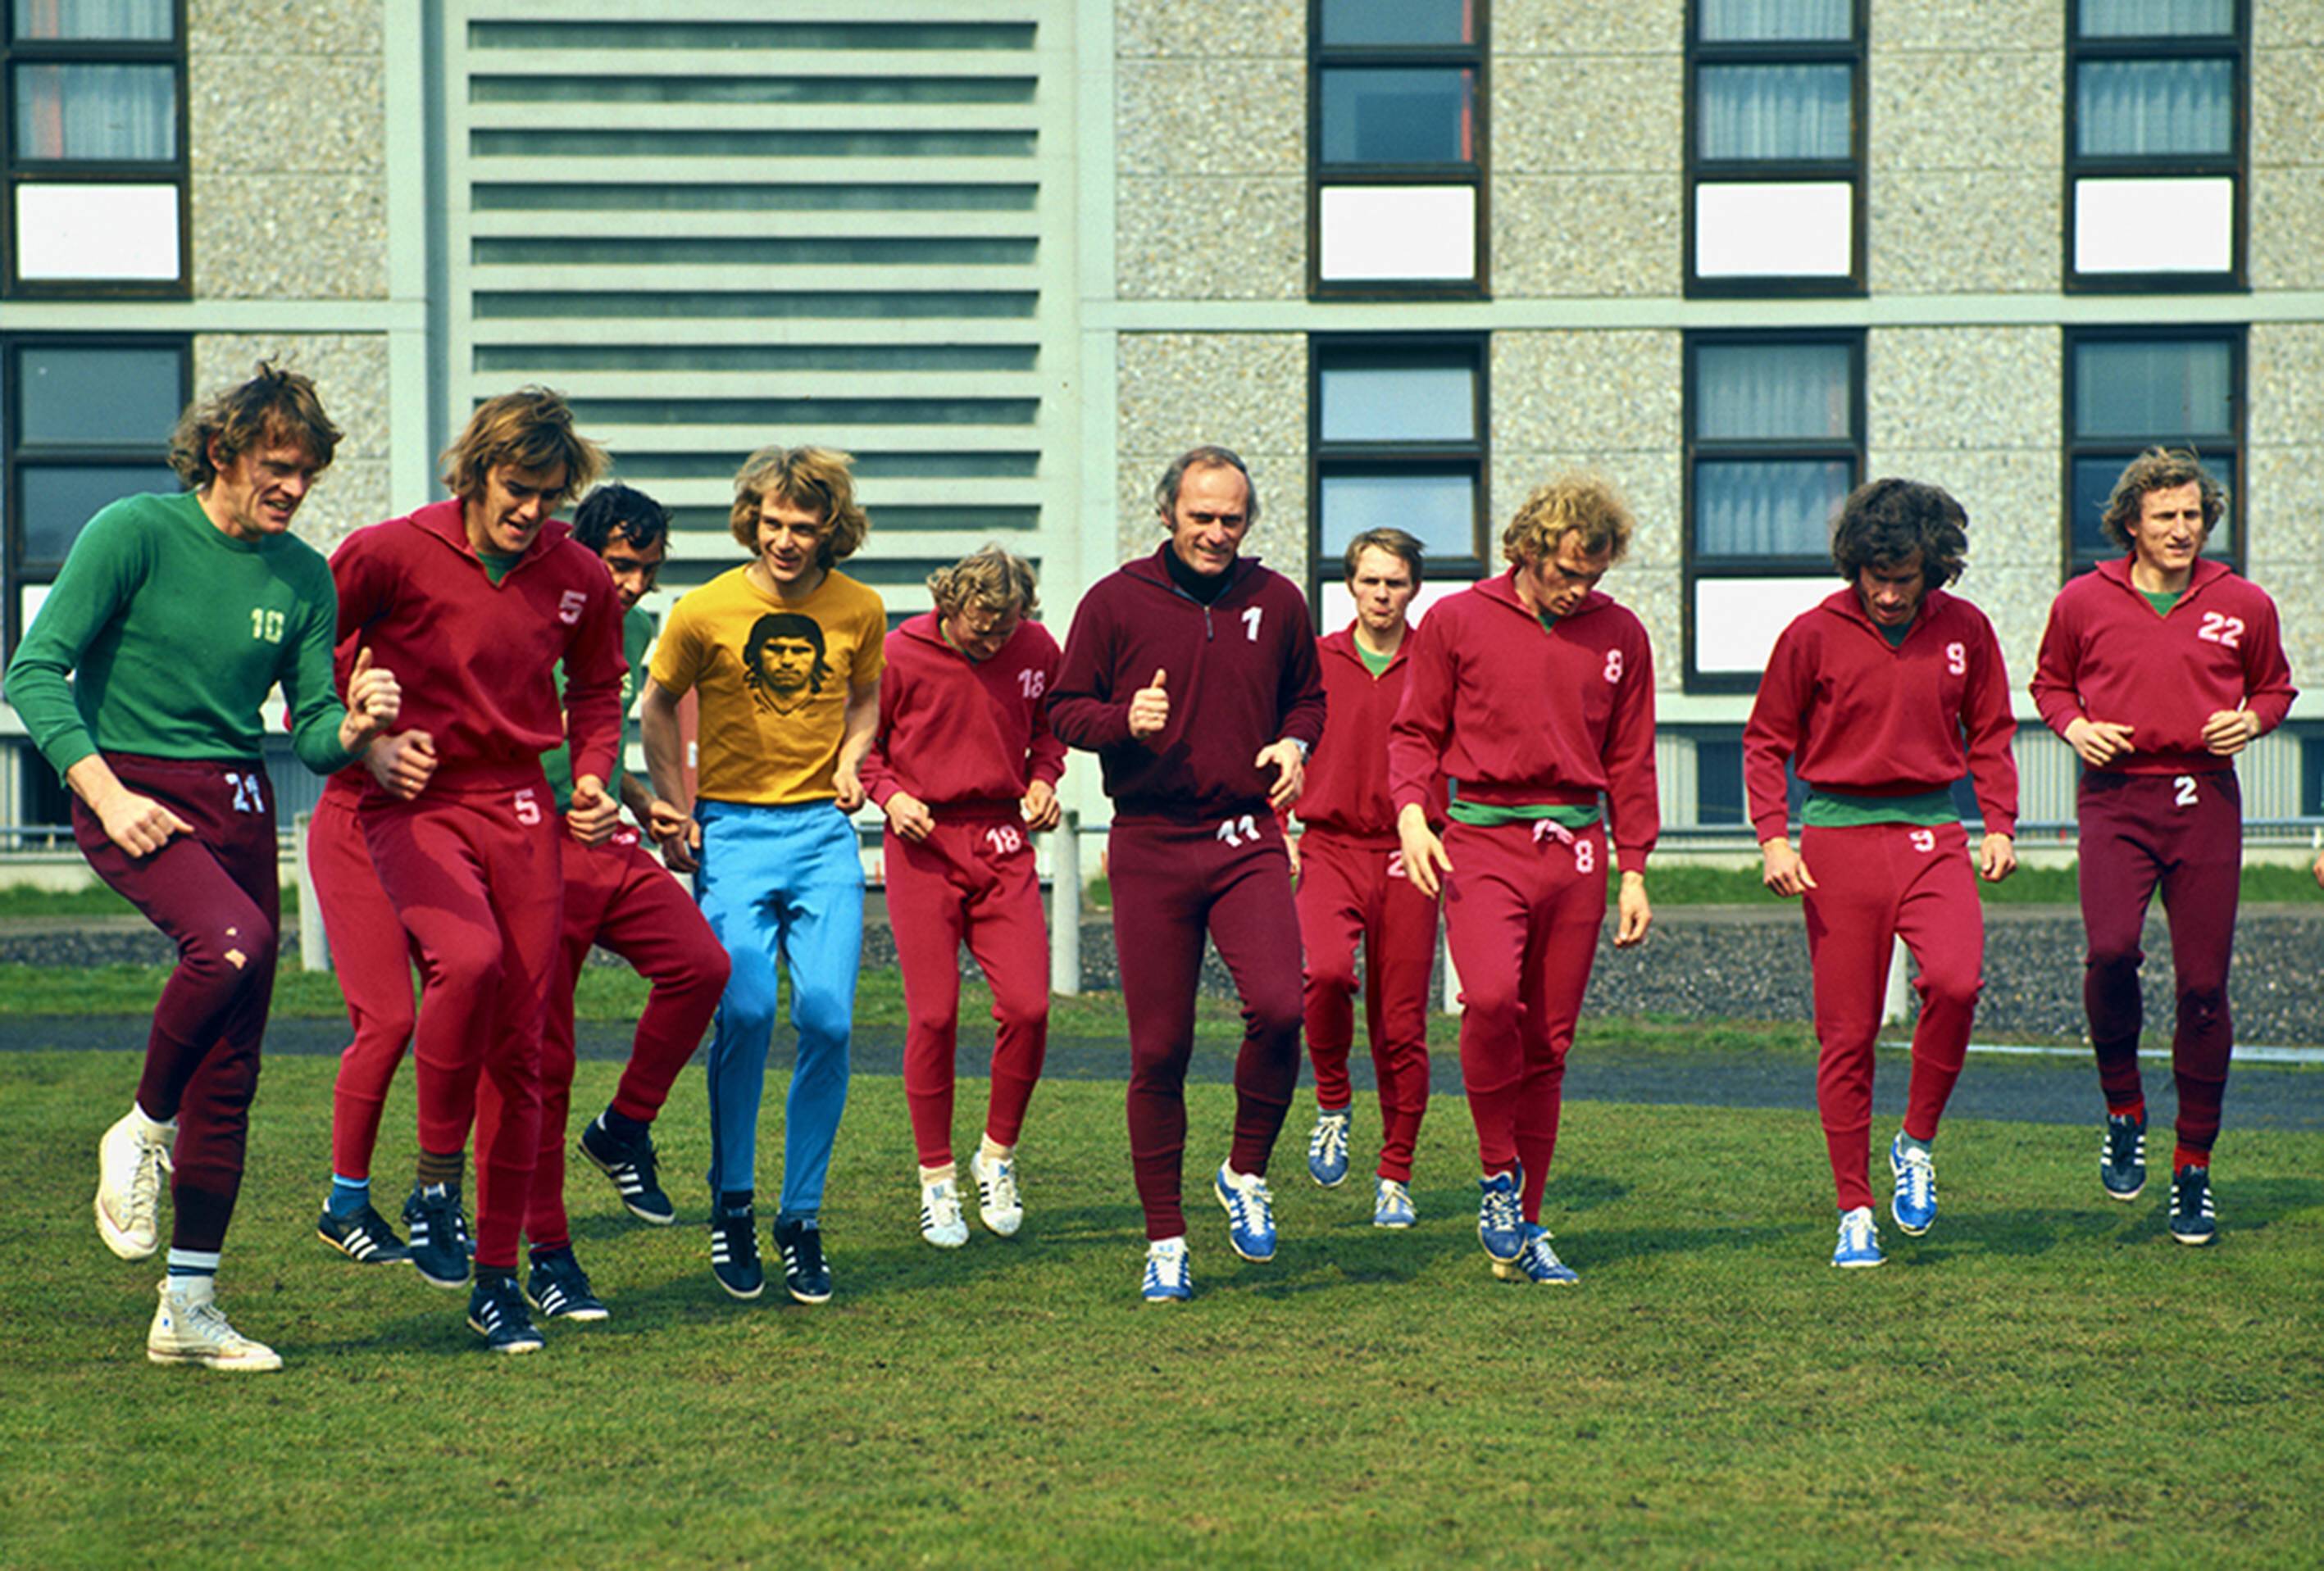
x=314, y=948
x=1065, y=906
x=1893, y=1006
x=1452, y=979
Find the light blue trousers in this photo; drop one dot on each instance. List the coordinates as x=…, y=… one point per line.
x=780, y=883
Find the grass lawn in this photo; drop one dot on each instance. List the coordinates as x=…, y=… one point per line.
x=2046, y=1378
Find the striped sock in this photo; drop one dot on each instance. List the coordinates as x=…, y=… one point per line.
x=348, y=1195
x=193, y=1262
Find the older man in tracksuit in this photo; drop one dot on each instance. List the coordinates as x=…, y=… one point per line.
x=1191, y=674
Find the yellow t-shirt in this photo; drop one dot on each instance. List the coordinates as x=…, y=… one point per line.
x=773, y=679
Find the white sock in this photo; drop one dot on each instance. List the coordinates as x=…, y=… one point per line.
x=151, y=1127
x=1178, y=1244
x=949, y=1173
x=992, y=1150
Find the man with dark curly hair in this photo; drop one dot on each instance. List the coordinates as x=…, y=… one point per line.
x=1879, y=697
x=174, y=617
x=2158, y=667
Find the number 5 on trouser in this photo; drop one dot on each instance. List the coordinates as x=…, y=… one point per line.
x=1172, y=882
x=971, y=880
x=1523, y=905
x=481, y=892
x=1877, y=883
x=2184, y=834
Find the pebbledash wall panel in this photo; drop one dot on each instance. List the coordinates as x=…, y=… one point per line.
x=716, y=227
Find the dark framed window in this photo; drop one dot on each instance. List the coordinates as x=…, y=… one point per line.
x=1398, y=436
x=84, y=421
x=2157, y=111
x=92, y=187
x=1396, y=149
x=1774, y=441
x=2129, y=389
x=1774, y=147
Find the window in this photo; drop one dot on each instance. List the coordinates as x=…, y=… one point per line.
x=1395, y=192
x=83, y=421
x=1398, y=440
x=2131, y=389
x=1774, y=167
x=96, y=137
x=1774, y=430
x=2156, y=143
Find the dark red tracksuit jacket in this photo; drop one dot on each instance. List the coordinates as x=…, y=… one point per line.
x=1346, y=791
x=1867, y=718
x=954, y=729
x=1241, y=673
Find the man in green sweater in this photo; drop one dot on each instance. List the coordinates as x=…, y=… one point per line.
x=174, y=617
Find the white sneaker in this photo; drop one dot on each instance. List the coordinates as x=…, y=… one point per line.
x=131, y=1159
x=189, y=1327
x=998, y=1203
x=1169, y=1279
x=940, y=1219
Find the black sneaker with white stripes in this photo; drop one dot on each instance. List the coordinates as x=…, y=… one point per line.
x=632, y=1167
x=364, y=1237
x=497, y=1312
x=804, y=1270
x=734, y=1252
x=559, y=1289
x=2192, y=1219
x=439, y=1234
x=2122, y=1155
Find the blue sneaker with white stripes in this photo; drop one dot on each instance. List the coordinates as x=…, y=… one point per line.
x=1251, y=1213
x=496, y=1313
x=1501, y=1223
x=734, y=1252
x=1392, y=1205
x=364, y=1237
x=439, y=1248
x=1915, y=1171
x=1327, y=1148
x=1538, y=1264
x=632, y=1169
x=1169, y=1279
x=1859, y=1240
x=559, y=1289
x=2192, y=1219
x=2122, y=1155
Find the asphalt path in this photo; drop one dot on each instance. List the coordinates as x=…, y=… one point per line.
x=2024, y=1089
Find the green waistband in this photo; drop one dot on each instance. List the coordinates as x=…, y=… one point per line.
x=1487, y=815
x=1839, y=810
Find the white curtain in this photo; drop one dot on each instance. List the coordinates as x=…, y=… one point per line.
x=2156, y=18
x=1776, y=21
x=2156, y=108
x=1775, y=112
x=97, y=114
x=138, y=21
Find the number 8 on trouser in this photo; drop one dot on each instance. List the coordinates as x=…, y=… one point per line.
x=2158, y=667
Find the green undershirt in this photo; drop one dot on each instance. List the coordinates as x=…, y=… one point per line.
x=2163, y=599
x=1896, y=636
x=496, y=566
x=1375, y=663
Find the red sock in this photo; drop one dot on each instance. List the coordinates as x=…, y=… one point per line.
x=2187, y=1156
x=2129, y=1109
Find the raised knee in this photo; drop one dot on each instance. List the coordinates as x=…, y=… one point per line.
x=822, y=1012
x=1951, y=989
x=1335, y=974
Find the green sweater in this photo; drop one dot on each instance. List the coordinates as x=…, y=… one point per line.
x=173, y=633
x=637, y=637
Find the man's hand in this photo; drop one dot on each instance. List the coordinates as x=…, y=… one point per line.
x=1040, y=809
x=402, y=762
x=1424, y=861
x=1149, y=708
x=2229, y=731
x=594, y=814
x=1996, y=857
x=1783, y=869
x=138, y=824
x=677, y=835
x=373, y=701
x=1290, y=772
x=1637, y=915
x=847, y=787
x=909, y=816
x=2099, y=741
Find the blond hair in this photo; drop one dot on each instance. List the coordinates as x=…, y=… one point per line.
x=1582, y=504
x=990, y=579
x=273, y=406
x=2160, y=469
x=813, y=478
x=530, y=429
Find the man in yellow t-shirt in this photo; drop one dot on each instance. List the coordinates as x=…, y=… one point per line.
x=784, y=656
